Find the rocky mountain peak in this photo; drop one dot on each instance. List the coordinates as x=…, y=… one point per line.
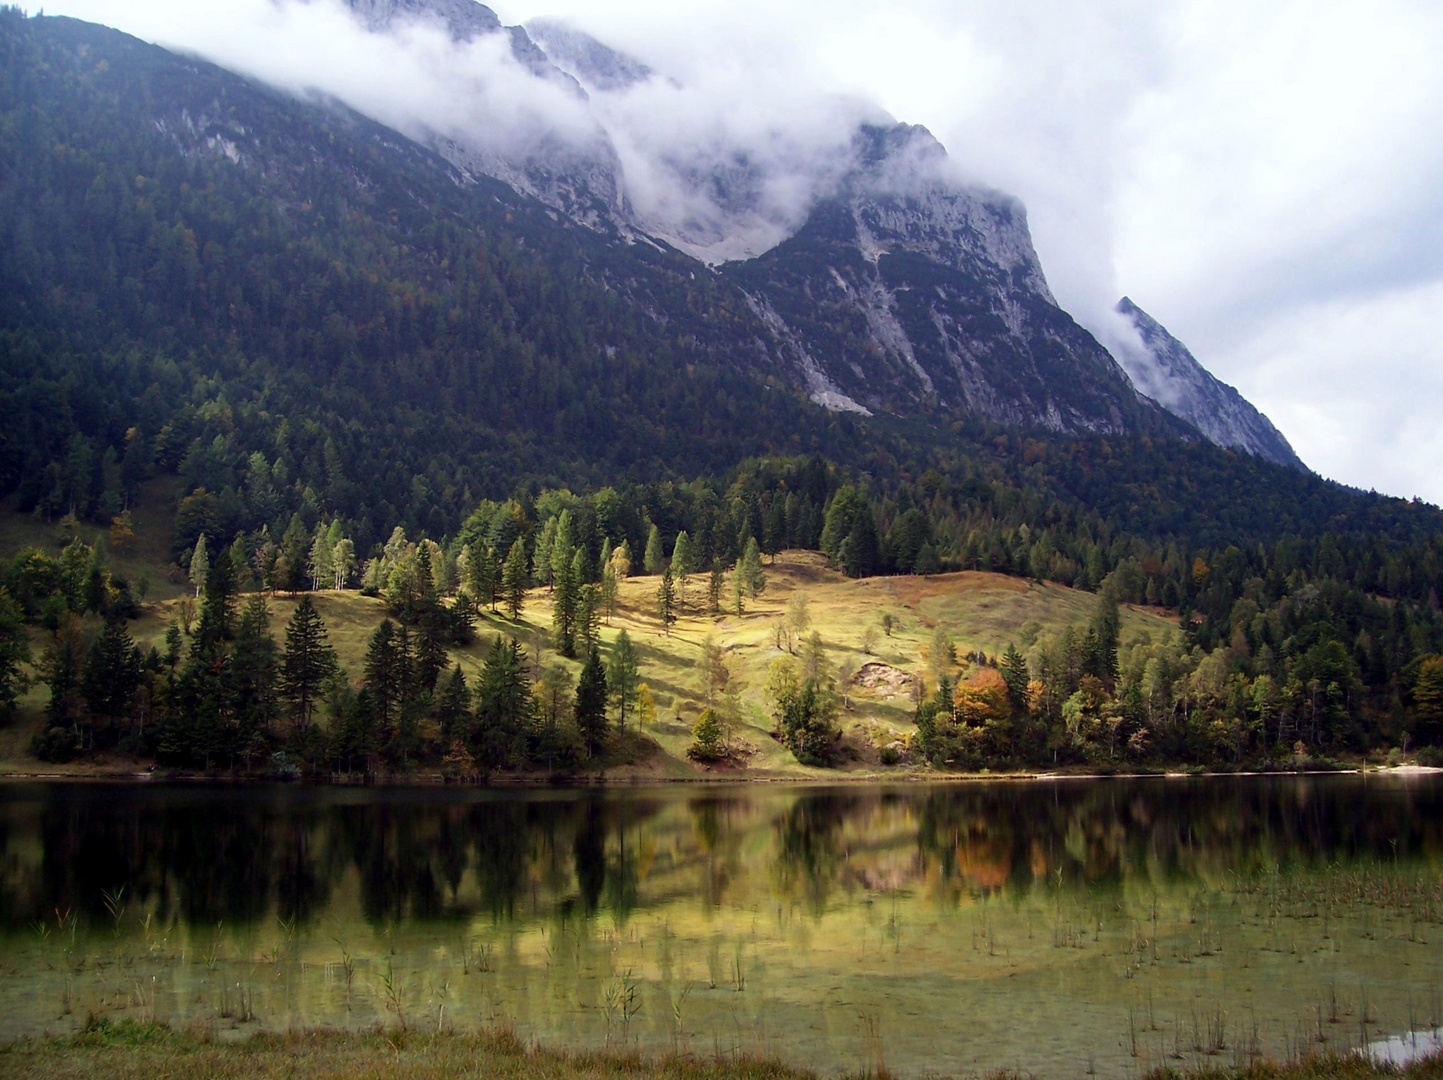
x=1163, y=368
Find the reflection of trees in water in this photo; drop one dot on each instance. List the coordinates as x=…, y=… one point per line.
x=809, y=850
x=241, y=856
x=985, y=837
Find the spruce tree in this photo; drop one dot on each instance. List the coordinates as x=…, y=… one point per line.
x=666, y=601
x=590, y=708
x=452, y=707
x=714, y=588
x=505, y=709
x=254, y=666
x=563, y=607
x=308, y=662
x=515, y=577
x=387, y=673
x=1014, y=674
x=112, y=673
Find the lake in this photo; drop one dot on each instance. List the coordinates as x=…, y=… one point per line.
x=1060, y=926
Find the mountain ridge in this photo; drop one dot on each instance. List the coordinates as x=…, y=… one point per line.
x=1166, y=371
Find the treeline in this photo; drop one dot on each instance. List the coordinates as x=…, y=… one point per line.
x=1079, y=698
x=224, y=692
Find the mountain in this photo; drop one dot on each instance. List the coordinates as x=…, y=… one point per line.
x=298, y=311
x=1167, y=372
x=902, y=290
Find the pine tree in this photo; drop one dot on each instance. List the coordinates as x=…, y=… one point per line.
x=588, y=617
x=653, y=560
x=1015, y=675
x=452, y=711
x=563, y=608
x=563, y=549
x=308, y=662
x=505, y=709
x=739, y=587
x=217, y=611
x=623, y=676
x=610, y=591
x=714, y=588
x=387, y=672
x=112, y=673
x=433, y=630
x=545, y=544
x=254, y=667
x=666, y=601
x=590, y=710
x=515, y=577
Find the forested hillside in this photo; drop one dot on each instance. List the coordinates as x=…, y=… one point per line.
x=327, y=334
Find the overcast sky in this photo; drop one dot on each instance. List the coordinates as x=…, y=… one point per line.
x=1264, y=179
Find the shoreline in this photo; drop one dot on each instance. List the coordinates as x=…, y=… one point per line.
x=635, y=780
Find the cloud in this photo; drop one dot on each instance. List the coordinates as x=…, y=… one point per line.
x=1263, y=179
x=1356, y=385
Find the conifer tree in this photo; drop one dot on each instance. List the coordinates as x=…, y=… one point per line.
x=610, y=591
x=653, y=560
x=563, y=608
x=714, y=588
x=308, y=662
x=112, y=673
x=590, y=710
x=683, y=565
x=217, y=610
x=199, y=565
x=666, y=601
x=452, y=709
x=588, y=617
x=387, y=672
x=254, y=665
x=623, y=676
x=1014, y=674
x=505, y=709
x=751, y=564
x=515, y=577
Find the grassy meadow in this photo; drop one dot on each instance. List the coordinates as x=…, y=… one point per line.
x=981, y=611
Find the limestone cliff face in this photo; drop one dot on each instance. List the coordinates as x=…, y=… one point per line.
x=1167, y=372
x=909, y=290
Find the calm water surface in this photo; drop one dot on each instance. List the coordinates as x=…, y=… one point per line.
x=1111, y=925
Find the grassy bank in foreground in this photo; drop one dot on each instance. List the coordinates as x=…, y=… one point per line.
x=155, y=1052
